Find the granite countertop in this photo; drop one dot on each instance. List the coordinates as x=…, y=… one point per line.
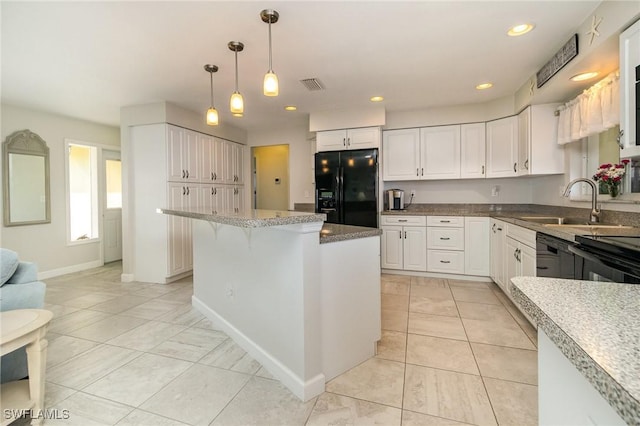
x=332, y=232
x=596, y=325
x=248, y=218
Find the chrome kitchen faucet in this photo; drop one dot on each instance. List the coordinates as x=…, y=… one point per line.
x=595, y=211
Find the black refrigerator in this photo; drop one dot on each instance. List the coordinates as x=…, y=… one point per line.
x=347, y=186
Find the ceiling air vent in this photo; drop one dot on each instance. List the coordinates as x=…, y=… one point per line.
x=312, y=84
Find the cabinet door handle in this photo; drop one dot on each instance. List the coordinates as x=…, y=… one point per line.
x=405, y=235
x=445, y=261
x=493, y=228
x=445, y=238
x=183, y=174
x=348, y=141
x=499, y=229
x=417, y=174
x=187, y=174
x=515, y=167
x=344, y=141
x=422, y=171
x=215, y=191
x=482, y=169
x=400, y=234
x=526, y=164
x=212, y=191
x=515, y=254
x=184, y=191
x=188, y=190
x=215, y=176
x=211, y=175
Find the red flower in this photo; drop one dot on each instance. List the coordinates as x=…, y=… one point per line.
x=625, y=161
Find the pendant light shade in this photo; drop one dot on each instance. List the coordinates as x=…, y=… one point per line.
x=270, y=86
x=236, y=103
x=212, y=112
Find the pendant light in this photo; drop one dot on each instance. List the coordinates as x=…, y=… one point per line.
x=236, y=103
x=270, y=86
x=212, y=112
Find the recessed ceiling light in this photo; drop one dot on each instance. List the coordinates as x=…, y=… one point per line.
x=520, y=29
x=376, y=99
x=291, y=108
x=483, y=86
x=584, y=76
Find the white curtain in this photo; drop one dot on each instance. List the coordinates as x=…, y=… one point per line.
x=593, y=111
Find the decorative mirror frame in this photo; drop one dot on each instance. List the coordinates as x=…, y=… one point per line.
x=25, y=142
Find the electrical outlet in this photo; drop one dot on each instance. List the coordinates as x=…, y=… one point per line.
x=413, y=192
x=495, y=190
x=229, y=290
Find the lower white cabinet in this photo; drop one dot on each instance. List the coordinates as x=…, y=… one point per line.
x=445, y=244
x=476, y=246
x=404, y=243
x=179, y=249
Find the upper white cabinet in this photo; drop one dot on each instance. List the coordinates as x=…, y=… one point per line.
x=472, y=150
x=183, y=158
x=538, y=150
x=440, y=152
x=338, y=140
x=629, y=62
x=420, y=154
x=502, y=147
x=401, y=154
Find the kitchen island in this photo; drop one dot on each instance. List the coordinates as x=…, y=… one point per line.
x=588, y=349
x=301, y=298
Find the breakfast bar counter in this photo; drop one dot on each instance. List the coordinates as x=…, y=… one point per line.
x=300, y=296
x=589, y=349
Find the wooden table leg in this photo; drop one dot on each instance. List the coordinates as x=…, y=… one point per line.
x=37, y=363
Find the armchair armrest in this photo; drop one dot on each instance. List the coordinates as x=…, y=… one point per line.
x=25, y=273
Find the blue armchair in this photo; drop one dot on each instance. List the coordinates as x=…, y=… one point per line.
x=19, y=289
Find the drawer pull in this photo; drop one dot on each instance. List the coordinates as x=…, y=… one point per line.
x=445, y=238
x=445, y=261
x=445, y=221
x=402, y=220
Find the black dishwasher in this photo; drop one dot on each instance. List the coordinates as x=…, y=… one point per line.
x=553, y=258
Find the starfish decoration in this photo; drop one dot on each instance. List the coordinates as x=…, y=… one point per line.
x=532, y=85
x=594, y=29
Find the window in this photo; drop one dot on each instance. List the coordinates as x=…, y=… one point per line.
x=82, y=169
x=113, y=169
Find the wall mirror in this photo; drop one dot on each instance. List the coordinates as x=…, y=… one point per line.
x=25, y=165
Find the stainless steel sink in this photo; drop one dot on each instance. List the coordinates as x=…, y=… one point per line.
x=554, y=220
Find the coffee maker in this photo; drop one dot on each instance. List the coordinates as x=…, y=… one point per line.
x=394, y=199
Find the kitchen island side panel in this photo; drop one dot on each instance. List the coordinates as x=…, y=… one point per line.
x=262, y=287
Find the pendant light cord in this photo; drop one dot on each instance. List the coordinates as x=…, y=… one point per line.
x=270, y=68
x=211, y=75
x=236, y=51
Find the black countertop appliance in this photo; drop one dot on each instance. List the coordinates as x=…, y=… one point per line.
x=347, y=186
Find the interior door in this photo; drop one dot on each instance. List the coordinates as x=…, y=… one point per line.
x=112, y=213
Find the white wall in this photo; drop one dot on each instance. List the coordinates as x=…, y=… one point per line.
x=46, y=244
x=300, y=144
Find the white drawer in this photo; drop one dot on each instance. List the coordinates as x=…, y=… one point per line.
x=445, y=238
x=451, y=262
x=450, y=221
x=404, y=220
x=524, y=235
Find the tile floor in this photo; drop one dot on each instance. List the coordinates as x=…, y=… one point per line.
x=452, y=352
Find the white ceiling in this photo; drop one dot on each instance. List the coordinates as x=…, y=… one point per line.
x=88, y=59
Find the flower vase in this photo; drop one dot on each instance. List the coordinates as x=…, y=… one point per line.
x=614, y=190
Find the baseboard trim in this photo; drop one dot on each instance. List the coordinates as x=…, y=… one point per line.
x=69, y=269
x=438, y=275
x=303, y=390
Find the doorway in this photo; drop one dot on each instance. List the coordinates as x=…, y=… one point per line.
x=270, y=166
x=112, y=206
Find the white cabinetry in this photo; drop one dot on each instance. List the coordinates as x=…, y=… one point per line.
x=440, y=152
x=404, y=243
x=538, y=150
x=502, y=147
x=629, y=61
x=445, y=244
x=193, y=176
x=476, y=246
x=498, y=249
x=338, y=140
x=472, y=150
x=183, y=158
x=401, y=154
x=520, y=256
